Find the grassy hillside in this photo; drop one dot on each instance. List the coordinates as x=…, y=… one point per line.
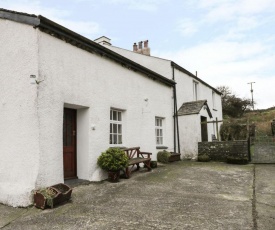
x=261, y=118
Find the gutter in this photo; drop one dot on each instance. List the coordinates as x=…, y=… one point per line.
x=69, y=36
x=58, y=31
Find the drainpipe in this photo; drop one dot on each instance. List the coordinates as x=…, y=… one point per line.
x=176, y=122
x=174, y=97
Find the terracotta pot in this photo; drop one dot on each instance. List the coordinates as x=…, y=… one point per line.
x=113, y=176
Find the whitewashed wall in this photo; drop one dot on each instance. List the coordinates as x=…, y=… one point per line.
x=190, y=133
x=31, y=124
x=94, y=84
x=19, y=133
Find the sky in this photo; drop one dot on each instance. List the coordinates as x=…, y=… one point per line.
x=228, y=42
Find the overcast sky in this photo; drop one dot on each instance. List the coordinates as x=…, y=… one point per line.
x=228, y=42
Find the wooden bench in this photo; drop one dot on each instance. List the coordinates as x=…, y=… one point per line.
x=135, y=158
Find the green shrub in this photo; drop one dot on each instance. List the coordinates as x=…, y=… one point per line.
x=163, y=156
x=113, y=159
x=203, y=158
x=230, y=131
x=237, y=160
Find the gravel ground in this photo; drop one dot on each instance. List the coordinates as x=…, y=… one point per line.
x=180, y=195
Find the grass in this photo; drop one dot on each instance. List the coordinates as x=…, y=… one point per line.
x=261, y=118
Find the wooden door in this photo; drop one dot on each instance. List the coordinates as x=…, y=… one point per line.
x=69, y=143
x=204, y=132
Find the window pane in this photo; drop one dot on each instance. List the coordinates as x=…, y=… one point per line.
x=161, y=140
x=157, y=132
x=115, y=128
x=114, y=115
x=119, y=129
x=119, y=116
x=111, y=128
x=160, y=132
x=119, y=139
x=157, y=140
x=111, y=142
x=115, y=139
x=160, y=122
x=111, y=112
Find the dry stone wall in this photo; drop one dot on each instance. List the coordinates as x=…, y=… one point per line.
x=220, y=150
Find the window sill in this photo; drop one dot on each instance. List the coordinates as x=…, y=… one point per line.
x=161, y=147
x=117, y=146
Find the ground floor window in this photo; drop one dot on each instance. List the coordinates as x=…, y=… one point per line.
x=115, y=127
x=159, y=130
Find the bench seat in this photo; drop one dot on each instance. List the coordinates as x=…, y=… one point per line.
x=135, y=158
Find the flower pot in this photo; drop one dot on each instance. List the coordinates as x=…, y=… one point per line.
x=52, y=196
x=113, y=176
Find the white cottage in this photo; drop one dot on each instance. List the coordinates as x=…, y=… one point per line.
x=197, y=104
x=64, y=99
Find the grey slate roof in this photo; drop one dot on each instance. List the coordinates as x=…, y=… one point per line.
x=60, y=32
x=193, y=107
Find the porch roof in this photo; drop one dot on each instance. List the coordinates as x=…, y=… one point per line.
x=193, y=107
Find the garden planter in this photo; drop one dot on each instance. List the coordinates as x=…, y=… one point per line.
x=52, y=196
x=113, y=176
x=174, y=157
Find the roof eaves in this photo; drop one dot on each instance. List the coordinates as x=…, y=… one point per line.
x=193, y=76
x=25, y=18
x=58, y=31
x=63, y=33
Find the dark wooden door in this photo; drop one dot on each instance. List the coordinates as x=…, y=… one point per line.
x=204, y=132
x=69, y=143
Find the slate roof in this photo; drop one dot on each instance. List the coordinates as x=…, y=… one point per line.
x=193, y=107
x=75, y=39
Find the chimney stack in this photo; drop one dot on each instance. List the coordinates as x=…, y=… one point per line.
x=142, y=50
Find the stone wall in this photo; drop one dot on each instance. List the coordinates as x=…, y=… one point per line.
x=219, y=150
x=263, y=150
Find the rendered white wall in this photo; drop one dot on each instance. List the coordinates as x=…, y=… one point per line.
x=74, y=76
x=159, y=65
x=184, y=83
x=19, y=133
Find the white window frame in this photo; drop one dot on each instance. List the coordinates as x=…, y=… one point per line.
x=115, y=131
x=159, y=131
x=195, y=90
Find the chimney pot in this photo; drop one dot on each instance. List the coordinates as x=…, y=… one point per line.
x=135, y=47
x=140, y=45
x=146, y=44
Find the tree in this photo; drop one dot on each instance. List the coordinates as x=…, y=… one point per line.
x=232, y=105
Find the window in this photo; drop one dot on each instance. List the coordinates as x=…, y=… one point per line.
x=115, y=127
x=214, y=100
x=159, y=130
x=195, y=90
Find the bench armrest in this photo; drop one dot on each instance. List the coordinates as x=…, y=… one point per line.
x=144, y=153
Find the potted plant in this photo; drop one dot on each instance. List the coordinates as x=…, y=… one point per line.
x=113, y=160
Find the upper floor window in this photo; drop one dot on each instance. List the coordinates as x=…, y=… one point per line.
x=214, y=99
x=195, y=90
x=115, y=127
x=159, y=130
